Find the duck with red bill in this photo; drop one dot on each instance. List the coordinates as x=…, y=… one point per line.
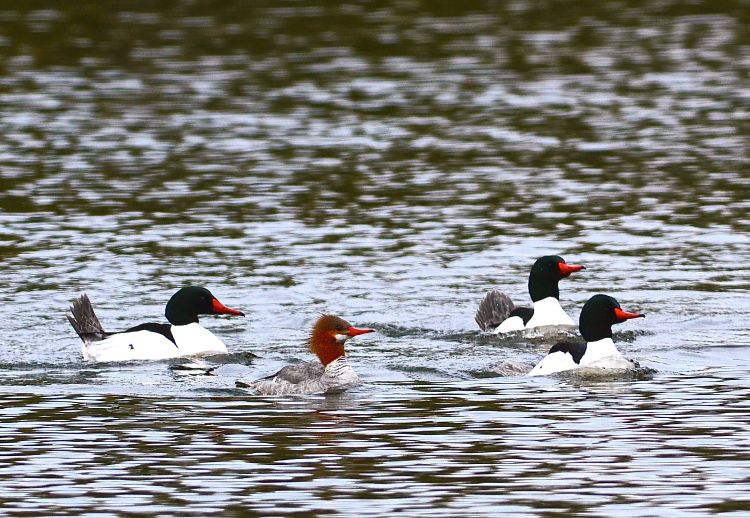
x=331, y=373
x=183, y=336
x=497, y=313
x=598, y=316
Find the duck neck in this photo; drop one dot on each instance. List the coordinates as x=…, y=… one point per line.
x=594, y=331
x=178, y=314
x=326, y=348
x=541, y=287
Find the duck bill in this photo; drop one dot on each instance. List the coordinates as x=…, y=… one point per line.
x=221, y=309
x=353, y=331
x=622, y=316
x=567, y=269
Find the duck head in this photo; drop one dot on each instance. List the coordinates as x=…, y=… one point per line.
x=546, y=273
x=598, y=316
x=329, y=335
x=189, y=302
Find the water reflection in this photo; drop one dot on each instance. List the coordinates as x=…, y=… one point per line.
x=515, y=444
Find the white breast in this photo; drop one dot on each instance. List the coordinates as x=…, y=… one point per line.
x=340, y=373
x=603, y=354
x=548, y=312
x=196, y=339
x=595, y=351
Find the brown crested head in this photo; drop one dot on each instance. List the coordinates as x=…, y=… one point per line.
x=329, y=335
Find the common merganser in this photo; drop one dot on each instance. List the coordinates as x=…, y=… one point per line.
x=598, y=316
x=152, y=341
x=332, y=374
x=498, y=314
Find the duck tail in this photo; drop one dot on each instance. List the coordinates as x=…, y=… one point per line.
x=84, y=320
x=495, y=308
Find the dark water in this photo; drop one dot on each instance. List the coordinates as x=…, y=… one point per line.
x=387, y=162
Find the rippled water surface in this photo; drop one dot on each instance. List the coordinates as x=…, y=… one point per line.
x=388, y=162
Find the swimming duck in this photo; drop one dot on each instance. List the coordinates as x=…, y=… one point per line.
x=498, y=314
x=183, y=336
x=598, y=316
x=331, y=373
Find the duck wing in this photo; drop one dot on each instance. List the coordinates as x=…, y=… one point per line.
x=299, y=372
x=289, y=380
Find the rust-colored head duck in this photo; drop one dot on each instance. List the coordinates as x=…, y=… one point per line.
x=329, y=335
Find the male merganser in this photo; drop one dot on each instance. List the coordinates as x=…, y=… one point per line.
x=332, y=374
x=152, y=341
x=598, y=316
x=497, y=314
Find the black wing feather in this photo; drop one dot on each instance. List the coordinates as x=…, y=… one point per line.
x=575, y=349
x=524, y=312
x=162, y=329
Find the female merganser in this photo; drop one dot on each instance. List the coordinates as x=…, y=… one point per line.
x=598, y=316
x=332, y=374
x=152, y=341
x=497, y=314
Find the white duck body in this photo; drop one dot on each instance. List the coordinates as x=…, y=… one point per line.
x=191, y=339
x=183, y=336
x=547, y=312
x=509, y=325
x=601, y=354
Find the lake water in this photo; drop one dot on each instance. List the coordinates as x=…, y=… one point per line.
x=387, y=162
